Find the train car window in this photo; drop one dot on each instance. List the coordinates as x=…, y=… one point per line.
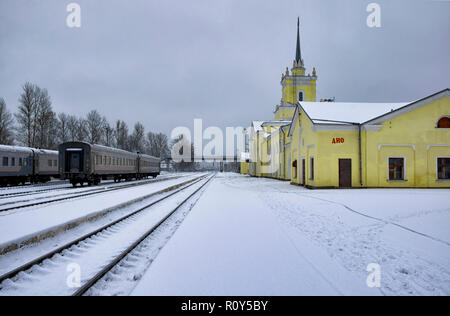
x=5, y=161
x=55, y=163
x=13, y=162
x=20, y=162
x=49, y=163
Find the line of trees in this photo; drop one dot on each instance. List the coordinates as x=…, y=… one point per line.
x=36, y=125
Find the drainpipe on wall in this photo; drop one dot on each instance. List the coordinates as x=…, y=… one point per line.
x=284, y=155
x=257, y=154
x=360, y=156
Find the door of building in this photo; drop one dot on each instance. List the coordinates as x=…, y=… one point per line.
x=345, y=173
x=303, y=172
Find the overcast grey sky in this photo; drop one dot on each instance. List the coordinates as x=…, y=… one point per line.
x=167, y=62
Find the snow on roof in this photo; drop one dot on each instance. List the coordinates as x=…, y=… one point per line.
x=245, y=156
x=347, y=112
x=110, y=149
x=16, y=149
x=47, y=152
x=276, y=123
x=257, y=125
x=20, y=149
x=149, y=157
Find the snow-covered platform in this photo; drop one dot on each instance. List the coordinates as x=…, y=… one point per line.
x=249, y=236
x=30, y=225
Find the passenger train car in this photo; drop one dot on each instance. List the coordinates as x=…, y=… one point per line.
x=19, y=165
x=81, y=163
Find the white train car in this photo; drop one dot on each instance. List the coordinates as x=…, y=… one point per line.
x=148, y=166
x=46, y=164
x=19, y=165
x=85, y=163
x=112, y=162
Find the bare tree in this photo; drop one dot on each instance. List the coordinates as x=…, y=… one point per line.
x=63, y=128
x=72, y=128
x=137, y=139
x=94, y=127
x=82, y=130
x=6, y=125
x=108, y=133
x=52, y=140
x=45, y=119
x=26, y=117
x=157, y=144
x=121, y=135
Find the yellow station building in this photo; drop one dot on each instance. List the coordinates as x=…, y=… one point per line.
x=335, y=144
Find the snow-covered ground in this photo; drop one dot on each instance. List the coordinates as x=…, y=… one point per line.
x=22, y=224
x=249, y=236
x=94, y=253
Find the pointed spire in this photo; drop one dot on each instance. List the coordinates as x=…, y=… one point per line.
x=298, y=55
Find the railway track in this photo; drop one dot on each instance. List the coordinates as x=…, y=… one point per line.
x=74, y=195
x=35, y=185
x=47, y=186
x=134, y=223
x=64, y=185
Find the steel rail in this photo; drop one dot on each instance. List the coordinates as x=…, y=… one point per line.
x=84, y=194
x=37, y=186
x=85, y=287
x=50, y=254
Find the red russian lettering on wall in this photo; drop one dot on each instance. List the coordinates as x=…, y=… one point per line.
x=338, y=140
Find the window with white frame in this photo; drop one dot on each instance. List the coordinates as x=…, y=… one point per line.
x=443, y=168
x=396, y=168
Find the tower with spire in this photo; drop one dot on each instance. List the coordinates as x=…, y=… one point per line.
x=297, y=86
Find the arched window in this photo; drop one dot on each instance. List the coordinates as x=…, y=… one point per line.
x=300, y=96
x=444, y=122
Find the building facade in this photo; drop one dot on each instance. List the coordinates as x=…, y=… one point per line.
x=351, y=145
